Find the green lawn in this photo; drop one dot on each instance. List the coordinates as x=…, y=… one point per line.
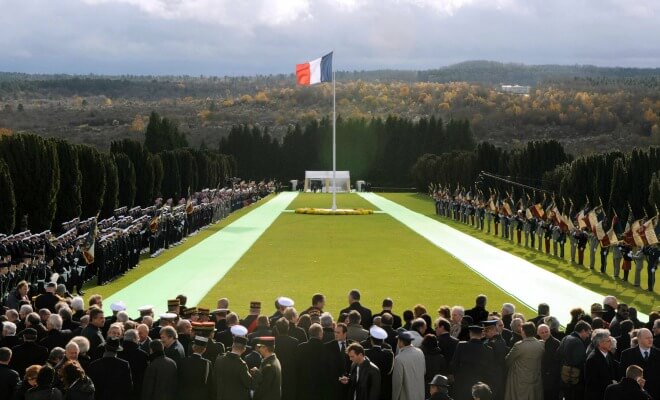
x=300, y=255
x=593, y=280
x=148, y=264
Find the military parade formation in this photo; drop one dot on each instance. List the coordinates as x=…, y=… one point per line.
x=106, y=249
x=546, y=226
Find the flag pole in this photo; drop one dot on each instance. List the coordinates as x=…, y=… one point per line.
x=334, y=143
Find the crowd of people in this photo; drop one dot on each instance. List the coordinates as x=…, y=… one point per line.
x=64, y=348
x=105, y=249
x=544, y=227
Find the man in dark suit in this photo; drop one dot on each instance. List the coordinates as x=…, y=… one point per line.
x=93, y=332
x=28, y=353
x=631, y=386
x=364, y=380
x=55, y=337
x=446, y=342
x=549, y=363
x=383, y=359
x=8, y=377
x=478, y=312
x=311, y=376
x=111, y=375
x=49, y=299
x=648, y=358
x=600, y=369
x=386, y=324
x=354, y=304
x=294, y=331
x=195, y=372
x=137, y=359
x=173, y=348
x=285, y=349
x=387, y=308
x=337, y=363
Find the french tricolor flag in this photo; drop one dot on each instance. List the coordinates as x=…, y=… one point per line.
x=315, y=71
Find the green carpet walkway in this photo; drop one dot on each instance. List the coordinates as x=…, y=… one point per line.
x=523, y=280
x=195, y=271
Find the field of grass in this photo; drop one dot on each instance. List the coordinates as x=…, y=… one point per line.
x=601, y=283
x=300, y=255
x=148, y=264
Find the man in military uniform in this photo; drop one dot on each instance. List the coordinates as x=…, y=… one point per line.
x=195, y=372
x=494, y=341
x=471, y=363
x=267, y=379
x=232, y=377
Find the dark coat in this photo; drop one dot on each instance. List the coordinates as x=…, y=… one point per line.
x=285, y=349
x=447, y=344
x=311, y=376
x=138, y=361
x=268, y=380
x=366, y=386
x=10, y=341
x=435, y=364
x=396, y=320
x=194, y=376
x=111, y=376
x=55, y=338
x=46, y=300
x=175, y=352
x=83, y=389
x=37, y=393
x=478, y=314
x=471, y=364
x=550, y=368
x=651, y=368
x=337, y=364
x=26, y=354
x=8, y=381
x=383, y=359
x=365, y=314
x=298, y=333
x=160, y=379
x=93, y=334
x=627, y=389
x=599, y=373
x=232, y=378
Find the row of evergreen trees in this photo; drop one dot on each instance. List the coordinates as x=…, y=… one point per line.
x=615, y=178
x=44, y=182
x=375, y=150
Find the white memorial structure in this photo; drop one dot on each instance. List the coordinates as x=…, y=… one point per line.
x=323, y=180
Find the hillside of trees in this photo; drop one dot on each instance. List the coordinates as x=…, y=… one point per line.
x=588, y=109
x=46, y=181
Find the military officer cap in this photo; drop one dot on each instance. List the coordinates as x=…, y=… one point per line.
x=238, y=330
x=118, y=306
x=489, y=323
x=476, y=328
x=168, y=315
x=266, y=340
x=597, y=308
x=189, y=312
x=173, y=303
x=255, y=305
x=203, y=311
x=203, y=327
x=146, y=309
x=285, y=301
x=377, y=332
x=439, y=380
x=242, y=340
x=201, y=341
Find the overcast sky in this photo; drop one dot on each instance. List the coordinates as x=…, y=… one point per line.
x=246, y=37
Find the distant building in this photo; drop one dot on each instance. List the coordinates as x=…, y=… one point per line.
x=517, y=89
